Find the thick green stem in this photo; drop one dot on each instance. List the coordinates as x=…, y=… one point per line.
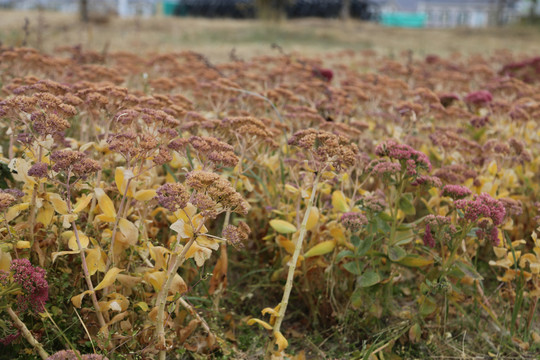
x=294, y=260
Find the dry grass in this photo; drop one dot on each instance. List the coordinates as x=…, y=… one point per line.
x=216, y=38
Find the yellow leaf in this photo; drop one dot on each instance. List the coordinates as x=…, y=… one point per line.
x=58, y=203
x=87, y=146
x=270, y=311
x=118, y=317
x=22, y=244
x=77, y=300
x=105, y=203
x=264, y=324
x=492, y=168
x=68, y=219
x=95, y=260
x=292, y=189
x=339, y=202
x=15, y=210
x=45, y=215
x=282, y=226
x=285, y=243
x=142, y=305
x=160, y=255
x=145, y=195
x=5, y=260
x=105, y=218
x=109, y=278
x=72, y=243
x=128, y=281
x=313, y=218
x=328, y=175
x=338, y=235
x=178, y=285
x=129, y=230
x=415, y=261
x=121, y=177
x=320, y=249
x=500, y=251
x=60, y=253
x=281, y=342
x=156, y=279
x=82, y=203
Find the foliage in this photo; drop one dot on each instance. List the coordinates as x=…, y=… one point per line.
x=378, y=207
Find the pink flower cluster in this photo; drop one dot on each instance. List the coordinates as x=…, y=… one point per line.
x=441, y=227
x=482, y=206
x=353, y=221
x=428, y=237
x=427, y=180
x=412, y=159
x=35, y=289
x=456, y=191
x=480, y=97
x=382, y=168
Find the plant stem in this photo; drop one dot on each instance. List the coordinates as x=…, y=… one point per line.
x=87, y=277
x=174, y=263
x=294, y=260
x=27, y=334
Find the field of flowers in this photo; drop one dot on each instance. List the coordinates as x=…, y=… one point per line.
x=351, y=206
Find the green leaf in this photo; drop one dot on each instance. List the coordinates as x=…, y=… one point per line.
x=369, y=278
x=364, y=246
x=384, y=216
x=382, y=225
x=356, y=297
x=411, y=224
x=406, y=205
x=427, y=306
x=395, y=253
x=354, y=267
x=344, y=254
x=404, y=237
x=469, y=270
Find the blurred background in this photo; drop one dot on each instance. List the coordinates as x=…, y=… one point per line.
x=251, y=26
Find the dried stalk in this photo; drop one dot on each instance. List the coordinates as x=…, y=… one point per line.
x=294, y=260
x=27, y=334
x=174, y=263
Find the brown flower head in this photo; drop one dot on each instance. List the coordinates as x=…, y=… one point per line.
x=172, y=196
x=6, y=200
x=248, y=126
x=216, y=151
x=236, y=235
x=74, y=161
x=326, y=147
x=218, y=190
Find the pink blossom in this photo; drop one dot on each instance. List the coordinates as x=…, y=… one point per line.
x=412, y=158
x=35, y=289
x=456, y=191
x=480, y=97
x=482, y=206
x=428, y=237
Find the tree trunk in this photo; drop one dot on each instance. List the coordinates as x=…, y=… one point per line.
x=83, y=10
x=345, y=12
x=499, y=12
x=532, y=10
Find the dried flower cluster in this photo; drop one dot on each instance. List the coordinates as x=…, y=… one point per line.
x=126, y=177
